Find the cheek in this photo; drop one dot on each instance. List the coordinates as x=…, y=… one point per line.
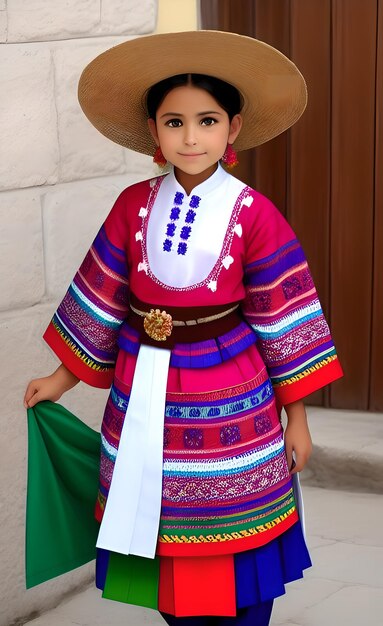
x=167, y=140
x=164, y=144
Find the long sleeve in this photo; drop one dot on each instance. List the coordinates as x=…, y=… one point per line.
x=83, y=332
x=282, y=307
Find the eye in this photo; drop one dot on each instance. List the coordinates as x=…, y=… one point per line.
x=208, y=121
x=175, y=123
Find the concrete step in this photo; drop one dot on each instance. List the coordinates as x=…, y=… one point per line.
x=347, y=450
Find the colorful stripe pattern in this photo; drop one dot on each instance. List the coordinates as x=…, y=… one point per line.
x=89, y=318
x=226, y=485
x=283, y=308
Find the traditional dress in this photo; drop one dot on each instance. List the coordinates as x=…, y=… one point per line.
x=193, y=466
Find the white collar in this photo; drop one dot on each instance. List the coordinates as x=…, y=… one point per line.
x=210, y=184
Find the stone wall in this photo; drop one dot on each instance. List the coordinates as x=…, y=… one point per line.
x=58, y=180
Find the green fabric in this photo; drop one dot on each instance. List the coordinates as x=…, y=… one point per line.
x=132, y=579
x=63, y=470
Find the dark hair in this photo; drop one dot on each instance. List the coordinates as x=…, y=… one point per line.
x=227, y=96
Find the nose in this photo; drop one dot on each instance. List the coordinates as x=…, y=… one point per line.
x=190, y=137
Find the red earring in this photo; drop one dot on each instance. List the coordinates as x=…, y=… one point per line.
x=230, y=158
x=159, y=158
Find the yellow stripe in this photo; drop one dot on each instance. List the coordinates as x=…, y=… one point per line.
x=78, y=352
x=307, y=372
x=220, y=537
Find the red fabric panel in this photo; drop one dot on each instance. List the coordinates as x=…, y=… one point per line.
x=197, y=586
x=166, y=586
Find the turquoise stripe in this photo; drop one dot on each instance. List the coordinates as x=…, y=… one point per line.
x=90, y=311
x=108, y=455
x=223, y=472
x=267, y=335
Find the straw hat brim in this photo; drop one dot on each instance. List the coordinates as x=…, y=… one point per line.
x=113, y=87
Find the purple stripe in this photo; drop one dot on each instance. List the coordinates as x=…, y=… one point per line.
x=281, y=265
x=111, y=256
x=224, y=353
x=199, y=355
x=274, y=255
x=131, y=346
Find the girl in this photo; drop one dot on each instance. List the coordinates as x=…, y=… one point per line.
x=196, y=305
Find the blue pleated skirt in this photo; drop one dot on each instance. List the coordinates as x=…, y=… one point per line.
x=262, y=573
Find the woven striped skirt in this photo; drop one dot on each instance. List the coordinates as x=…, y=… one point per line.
x=229, y=535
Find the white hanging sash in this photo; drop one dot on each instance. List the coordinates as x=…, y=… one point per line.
x=132, y=513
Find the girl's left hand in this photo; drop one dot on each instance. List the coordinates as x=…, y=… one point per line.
x=297, y=437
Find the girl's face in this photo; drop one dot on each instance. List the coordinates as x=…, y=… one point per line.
x=193, y=131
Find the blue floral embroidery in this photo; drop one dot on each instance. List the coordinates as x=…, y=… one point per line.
x=182, y=247
x=185, y=232
x=178, y=198
x=194, y=202
x=175, y=213
x=170, y=230
x=193, y=438
x=190, y=216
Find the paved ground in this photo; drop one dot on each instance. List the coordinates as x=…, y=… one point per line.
x=348, y=450
x=344, y=525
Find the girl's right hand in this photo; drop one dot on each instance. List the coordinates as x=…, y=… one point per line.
x=50, y=387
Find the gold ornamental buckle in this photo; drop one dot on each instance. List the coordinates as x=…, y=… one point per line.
x=158, y=324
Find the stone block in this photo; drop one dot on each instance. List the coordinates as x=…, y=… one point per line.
x=72, y=216
x=84, y=152
x=21, y=249
x=3, y=23
x=39, y=20
x=140, y=164
x=127, y=17
x=28, y=124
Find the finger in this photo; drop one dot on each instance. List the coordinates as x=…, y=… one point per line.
x=30, y=391
x=300, y=462
x=34, y=400
x=289, y=455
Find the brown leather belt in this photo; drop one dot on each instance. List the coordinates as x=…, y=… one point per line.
x=181, y=324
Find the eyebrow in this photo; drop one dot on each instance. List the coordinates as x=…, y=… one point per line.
x=173, y=114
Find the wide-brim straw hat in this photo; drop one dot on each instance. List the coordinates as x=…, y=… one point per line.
x=113, y=87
